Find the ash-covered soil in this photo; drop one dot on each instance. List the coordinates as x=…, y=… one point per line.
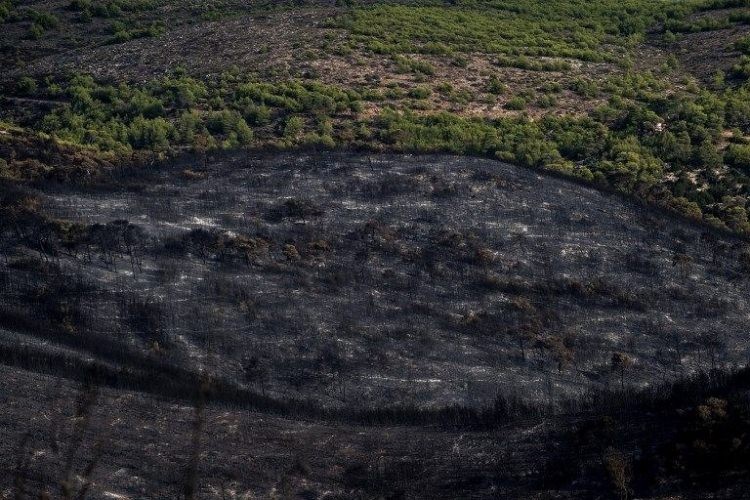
x=119, y=445
x=320, y=326
x=374, y=281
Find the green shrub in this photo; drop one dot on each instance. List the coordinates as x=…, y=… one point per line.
x=35, y=31
x=738, y=156
x=420, y=93
x=737, y=109
x=122, y=33
x=231, y=125
x=293, y=127
x=407, y=65
x=26, y=85
x=40, y=22
x=516, y=103
x=181, y=91
x=258, y=114
x=45, y=20
x=152, y=134
x=495, y=86
x=584, y=88
x=742, y=68
x=460, y=61
x=546, y=101
x=743, y=45
x=180, y=111
x=6, y=7
x=444, y=88
x=106, y=9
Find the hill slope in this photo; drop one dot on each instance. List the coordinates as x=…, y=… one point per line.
x=425, y=281
x=290, y=283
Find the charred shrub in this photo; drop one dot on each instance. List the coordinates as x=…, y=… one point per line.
x=294, y=208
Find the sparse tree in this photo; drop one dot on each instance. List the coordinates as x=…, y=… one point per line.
x=619, y=363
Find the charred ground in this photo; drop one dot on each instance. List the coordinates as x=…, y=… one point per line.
x=359, y=290
x=423, y=280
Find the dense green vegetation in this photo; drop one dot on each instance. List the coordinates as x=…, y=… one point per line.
x=181, y=111
x=592, y=31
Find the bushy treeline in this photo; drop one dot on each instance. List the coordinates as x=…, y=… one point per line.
x=178, y=111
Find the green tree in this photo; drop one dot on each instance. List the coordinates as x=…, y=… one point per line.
x=293, y=127
x=738, y=156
